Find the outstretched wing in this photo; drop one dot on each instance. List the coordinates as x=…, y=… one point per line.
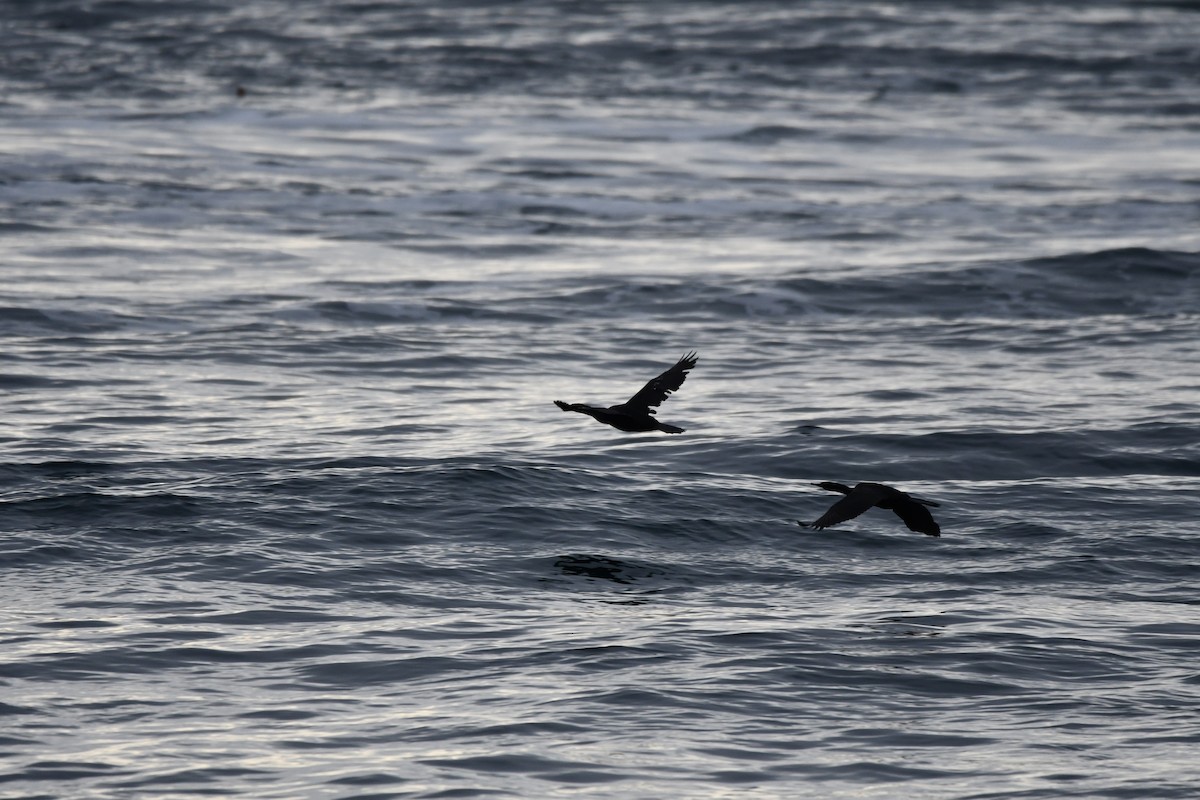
x=848, y=507
x=917, y=517
x=657, y=390
x=858, y=500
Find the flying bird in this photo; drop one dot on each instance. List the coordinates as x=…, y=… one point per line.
x=912, y=510
x=636, y=415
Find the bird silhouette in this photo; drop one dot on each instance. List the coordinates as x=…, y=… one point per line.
x=636, y=415
x=912, y=510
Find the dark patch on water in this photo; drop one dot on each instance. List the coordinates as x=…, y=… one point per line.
x=606, y=568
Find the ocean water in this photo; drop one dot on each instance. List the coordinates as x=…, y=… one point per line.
x=288, y=289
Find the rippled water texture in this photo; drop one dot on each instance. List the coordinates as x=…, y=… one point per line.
x=289, y=289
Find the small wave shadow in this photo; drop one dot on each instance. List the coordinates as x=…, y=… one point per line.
x=634, y=575
x=911, y=624
x=605, y=568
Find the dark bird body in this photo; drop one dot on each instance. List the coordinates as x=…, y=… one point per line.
x=912, y=510
x=636, y=415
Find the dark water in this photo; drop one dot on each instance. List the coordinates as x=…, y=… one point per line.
x=288, y=511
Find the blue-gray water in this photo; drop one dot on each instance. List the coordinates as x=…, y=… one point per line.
x=288, y=512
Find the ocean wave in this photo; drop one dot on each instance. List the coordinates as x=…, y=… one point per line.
x=764, y=51
x=1130, y=283
x=1125, y=282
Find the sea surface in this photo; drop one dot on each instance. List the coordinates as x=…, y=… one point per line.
x=288, y=289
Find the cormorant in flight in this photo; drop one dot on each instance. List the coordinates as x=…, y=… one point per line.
x=636, y=415
x=865, y=495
